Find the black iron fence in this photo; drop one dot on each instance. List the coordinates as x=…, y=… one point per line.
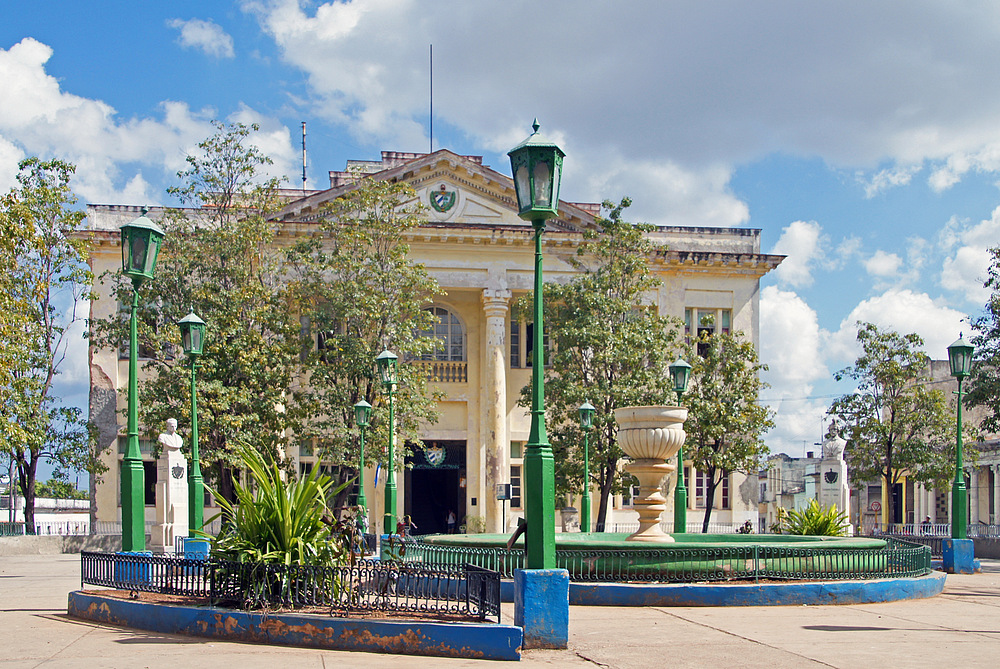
x=441, y=590
x=897, y=558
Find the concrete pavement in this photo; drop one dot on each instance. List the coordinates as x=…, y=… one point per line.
x=960, y=627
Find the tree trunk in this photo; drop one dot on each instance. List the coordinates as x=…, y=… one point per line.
x=607, y=481
x=26, y=473
x=709, y=499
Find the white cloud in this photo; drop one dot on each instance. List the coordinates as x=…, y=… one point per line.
x=858, y=85
x=883, y=265
x=792, y=346
x=207, y=36
x=885, y=179
x=800, y=241
x=965, y=270
x=118, y=160
x=904, y=311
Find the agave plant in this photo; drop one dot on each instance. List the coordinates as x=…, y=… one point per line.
x=815, y=520
x=279, y=521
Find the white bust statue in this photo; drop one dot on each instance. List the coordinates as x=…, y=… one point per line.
x=170, y=439
x=833, y=447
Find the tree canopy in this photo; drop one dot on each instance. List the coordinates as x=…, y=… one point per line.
x=42, y=288
x=984, y=389
x=609, y=346
x=893, y=423
x=726, y=421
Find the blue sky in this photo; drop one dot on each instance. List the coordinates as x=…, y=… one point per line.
x=862, y=138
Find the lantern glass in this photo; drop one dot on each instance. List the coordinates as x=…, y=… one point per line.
x=586, y=415
x=537, y=167
x=140, y=241
x=387, y=368
x=960, y=358
x=362, y=412
x=680, y=372
x=192, y=334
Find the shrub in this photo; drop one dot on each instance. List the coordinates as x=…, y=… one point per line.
x=814, y=520
x=279, y=521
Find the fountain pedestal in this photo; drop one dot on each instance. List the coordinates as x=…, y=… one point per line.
x=651, y=436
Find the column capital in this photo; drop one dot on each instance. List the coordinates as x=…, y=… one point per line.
x=495, y=301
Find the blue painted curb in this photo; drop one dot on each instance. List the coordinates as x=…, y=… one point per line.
x=469, y=640
x=731, y=594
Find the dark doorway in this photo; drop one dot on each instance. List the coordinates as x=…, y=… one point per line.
x=897, y=503
x=435, y=478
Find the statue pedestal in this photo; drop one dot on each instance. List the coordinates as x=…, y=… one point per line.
x=651, y=503
x=171, y=501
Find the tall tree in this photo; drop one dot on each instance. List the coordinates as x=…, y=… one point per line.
x=984, y=389
x=358, y=295
x=610, y=347
x=44, y=281
x=726, y=421
x=893, y=423
x=221, y=259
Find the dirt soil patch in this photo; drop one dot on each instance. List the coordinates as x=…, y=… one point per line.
x=361, y=614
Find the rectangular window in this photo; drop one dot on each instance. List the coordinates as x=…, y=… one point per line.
x=515, y=343
x=515, y=486
x=701, y=492
x=305, y=448
x=515, y=449
x=146, y=446
x=706, y=322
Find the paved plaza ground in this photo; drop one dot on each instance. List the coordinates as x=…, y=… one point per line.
x=961, y=627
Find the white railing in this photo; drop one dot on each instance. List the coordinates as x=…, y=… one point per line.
x=444, y=371
x=930, y=529
x=668, y=527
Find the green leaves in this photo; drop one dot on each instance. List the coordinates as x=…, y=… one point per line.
x=894, y=422
x=726, y=421
x=984, y=385
x=42, y=288
x=611, y=348
x=816, y=521
x=278, y=520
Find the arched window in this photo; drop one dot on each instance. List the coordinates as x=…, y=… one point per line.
x=449, y=331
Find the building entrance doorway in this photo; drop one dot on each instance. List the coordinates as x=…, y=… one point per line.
x=435, y=485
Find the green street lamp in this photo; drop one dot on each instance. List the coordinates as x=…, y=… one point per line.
x=586, y=424
x=388, y=371
x=680, y=372
x=362, y=416
x=140, y=242
x=537, y=168
x=193, y=343
x=960, y=360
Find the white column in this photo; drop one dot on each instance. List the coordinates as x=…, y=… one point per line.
x=974, y=496
x=996, y=494
x=494, y=400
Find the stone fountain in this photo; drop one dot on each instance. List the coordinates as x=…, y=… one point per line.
x=651, y=436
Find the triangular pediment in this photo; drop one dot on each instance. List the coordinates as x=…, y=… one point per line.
x=454, y=190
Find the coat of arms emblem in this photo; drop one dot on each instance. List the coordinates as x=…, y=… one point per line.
x=435, y=455
x=831, y=477
x=442, y=200
x=177, y=471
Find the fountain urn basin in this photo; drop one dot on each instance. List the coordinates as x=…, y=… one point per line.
x=651, y=436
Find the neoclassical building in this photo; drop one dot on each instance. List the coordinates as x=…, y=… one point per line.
x=481, y=254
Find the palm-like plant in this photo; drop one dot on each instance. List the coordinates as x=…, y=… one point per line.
x=815, y=520
x=279, y=521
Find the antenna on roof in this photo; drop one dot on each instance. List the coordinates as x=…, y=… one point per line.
x=303, y=155
x=432, y=100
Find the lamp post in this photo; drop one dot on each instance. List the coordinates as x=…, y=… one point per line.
x=140, y=242
x=387, y=363
x=680, y=372
x=960, y=360
x=362, y=414
x=586, y=423
x=537, y=168
x=193, y=343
